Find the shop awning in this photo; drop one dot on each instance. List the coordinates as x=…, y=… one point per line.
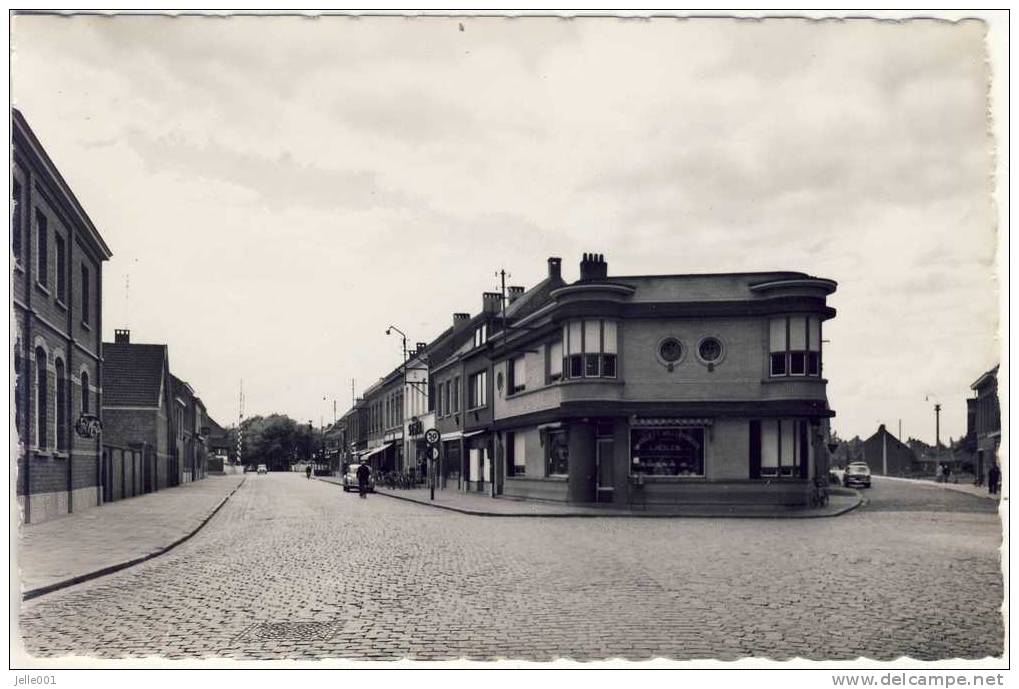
x=375, y=451
x=456, y=435
x=474, y=433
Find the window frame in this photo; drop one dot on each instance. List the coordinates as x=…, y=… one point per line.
x=41, y=385
x=703, y=459
x=17, y=245
x=781, y=363
x=60, y=269
x=548, y=445
x=42, y=259
x=589, y=360
x=513, y=385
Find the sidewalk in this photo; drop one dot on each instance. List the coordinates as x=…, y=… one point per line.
x=68, y=550
x=482, y=505
x=967, y=487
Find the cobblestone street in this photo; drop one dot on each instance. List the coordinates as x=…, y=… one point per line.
x=292, y=568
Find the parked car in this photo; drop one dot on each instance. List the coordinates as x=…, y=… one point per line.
x=857, y=474
x=350, y=480
x=262, y=469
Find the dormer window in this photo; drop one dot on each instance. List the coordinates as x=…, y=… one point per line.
x=481, y=335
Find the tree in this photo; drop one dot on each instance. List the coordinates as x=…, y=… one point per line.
x=276, y=441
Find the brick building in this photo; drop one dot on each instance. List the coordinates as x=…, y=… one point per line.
x=664, y=389
x=986, y=421
x=138, y=408
x=57, y=255
x=152, y=412
x=887, y=456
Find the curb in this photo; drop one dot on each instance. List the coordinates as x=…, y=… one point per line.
x=618, y=515
x=82, y=578
x=943, y=486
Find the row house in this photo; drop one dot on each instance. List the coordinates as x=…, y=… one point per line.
x=155, y=425
x=56, y=283
x=381, y=424
x=986, y=421
x=692, y=388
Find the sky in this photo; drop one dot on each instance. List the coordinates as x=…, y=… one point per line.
x=277, y=191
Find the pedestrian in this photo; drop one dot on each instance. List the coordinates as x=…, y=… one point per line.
x=363, y=474
x=994, y=479
x=948, y=474
x=307, y=471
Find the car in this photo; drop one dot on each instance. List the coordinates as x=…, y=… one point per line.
x=857, y=474
x=262, y=469
x=350, y=479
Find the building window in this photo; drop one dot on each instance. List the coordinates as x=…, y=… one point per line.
x=670, y=350
x=591, y=349
x=667, y=451
x=517, y=375
x=456, y=394
x=557, y=454
x=86, y=285
x=555, y=360
x=481, y=335
x=19, y=393
x=784, y=448
x=61, y=277
x=40, y=397
x=710, y=350
x=795, y=346
x=85, y=392
x=446, y=394
x=477, y=392
x=61, y=415
x=516, y=456
x=16, y=220
x=42, y=244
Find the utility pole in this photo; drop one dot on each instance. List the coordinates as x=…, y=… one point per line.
x=240, y=420
x=900, y=430
x=937, y=426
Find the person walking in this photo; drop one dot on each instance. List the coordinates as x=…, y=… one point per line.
x=994, y=479
x=363, y=474
x=307, y=471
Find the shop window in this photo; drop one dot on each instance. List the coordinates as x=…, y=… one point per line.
x=667, y=451
x=516, y=457
x=781, y=448
x=591, y=349
x=557, y=454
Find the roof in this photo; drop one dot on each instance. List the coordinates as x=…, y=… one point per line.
x=985, y=378
x=133, y=374
x=20, y=126
x=533, y=299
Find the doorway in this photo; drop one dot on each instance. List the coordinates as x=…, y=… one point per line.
x=606, y=484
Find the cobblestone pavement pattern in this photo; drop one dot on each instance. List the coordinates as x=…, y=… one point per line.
x=385, y=579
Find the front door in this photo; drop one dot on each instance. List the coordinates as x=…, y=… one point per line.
x=606, y=477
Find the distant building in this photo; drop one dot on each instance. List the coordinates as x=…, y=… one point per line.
x=56, y=293
x=887, y=456
x=987, y=421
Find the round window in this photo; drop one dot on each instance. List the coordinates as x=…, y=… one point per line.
x=670, y=350
x=710, y=350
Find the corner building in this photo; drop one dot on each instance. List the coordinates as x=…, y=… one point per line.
x=663, y=389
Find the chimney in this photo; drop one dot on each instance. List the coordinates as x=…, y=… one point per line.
x=491, y=302
x=122, y=336
x=460, y=320
x=593, y=267
x=514, y=292
x=421, y=346
x=555, y=268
